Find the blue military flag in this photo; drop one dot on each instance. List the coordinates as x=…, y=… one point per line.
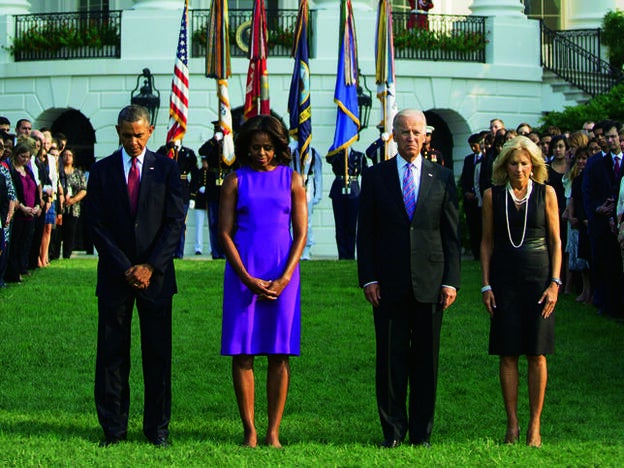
x=345, y=95
x=299, y=105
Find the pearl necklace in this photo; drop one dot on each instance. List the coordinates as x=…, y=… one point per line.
x=520, y=201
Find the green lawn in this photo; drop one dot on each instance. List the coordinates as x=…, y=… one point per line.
x=47, y=360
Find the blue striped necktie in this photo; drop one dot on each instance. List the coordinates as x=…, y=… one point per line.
x=409, y=191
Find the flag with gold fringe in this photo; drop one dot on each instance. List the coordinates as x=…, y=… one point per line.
x=345, y=94
x=179, y=100
x=384, y=75
x=218, y=67
x=299, y=106
x=257, y=89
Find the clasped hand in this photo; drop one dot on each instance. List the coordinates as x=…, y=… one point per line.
x=139, y=276
x=267, y=289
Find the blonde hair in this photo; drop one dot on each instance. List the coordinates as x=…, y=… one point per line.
x=578, y=139
x=519, y=143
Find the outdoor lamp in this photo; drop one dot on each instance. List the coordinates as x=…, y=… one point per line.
x=365, y=101
x=148, y=96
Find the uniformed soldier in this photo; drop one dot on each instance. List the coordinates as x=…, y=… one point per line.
x=187, y=161
x=345, y=196
x=428, y=151
x=217, y=170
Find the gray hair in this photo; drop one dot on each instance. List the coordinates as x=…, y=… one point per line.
x=420, y=115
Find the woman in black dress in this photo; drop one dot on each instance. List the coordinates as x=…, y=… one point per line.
x=521, y=263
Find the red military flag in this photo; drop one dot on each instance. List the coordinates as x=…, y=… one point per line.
x=257, y=89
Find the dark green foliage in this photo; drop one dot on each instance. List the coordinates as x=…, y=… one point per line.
x=612, y=34
x=610, y=105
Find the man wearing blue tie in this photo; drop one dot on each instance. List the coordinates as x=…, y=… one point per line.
x=408, y=265
x=135, y=212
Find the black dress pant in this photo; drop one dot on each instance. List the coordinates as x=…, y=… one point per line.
x=19, y=248
x=112, y=391
x=408, y=341
x=70, y=224
x=473, y=220
x=346, y=209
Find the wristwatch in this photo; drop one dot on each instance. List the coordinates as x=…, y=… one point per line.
x=557, y=281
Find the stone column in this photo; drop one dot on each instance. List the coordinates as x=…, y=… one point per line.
x=14, y=7
x=158, y=5
x=497, y=8
x=513, y=39
x=581, y=14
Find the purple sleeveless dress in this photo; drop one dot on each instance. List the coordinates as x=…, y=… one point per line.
x=262, y=237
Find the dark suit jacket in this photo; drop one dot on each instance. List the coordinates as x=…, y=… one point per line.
x=599, y=183
x=151, y=237
x=421, y=255
x=466, y=180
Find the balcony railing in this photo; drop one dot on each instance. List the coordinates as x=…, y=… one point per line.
x=450, y=38
x=575, y=64
x=61, y=36
x=280, y=27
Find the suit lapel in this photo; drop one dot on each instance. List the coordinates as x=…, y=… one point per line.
x=391, y=177
x=147, y=178
x=426, y=181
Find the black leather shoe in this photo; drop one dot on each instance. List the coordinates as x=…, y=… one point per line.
x=108, y=442
x=390, y=443
x=421, y=443
x=161, y=442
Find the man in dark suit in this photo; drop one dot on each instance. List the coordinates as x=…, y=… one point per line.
x=600, y=188
x=408, y=264
x=469, y=182
x=135, y=214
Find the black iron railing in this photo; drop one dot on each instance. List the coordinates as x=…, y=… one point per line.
x=568, y=60
x=60, y=36
x=439, y=37
x=588, y=39
x=280, y=27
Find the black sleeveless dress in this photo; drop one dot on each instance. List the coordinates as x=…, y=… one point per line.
x=519, y=276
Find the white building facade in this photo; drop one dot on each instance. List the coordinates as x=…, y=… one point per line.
x=463, y=96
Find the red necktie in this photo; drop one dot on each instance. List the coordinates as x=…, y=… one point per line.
x=133, y=187
x=616, y=166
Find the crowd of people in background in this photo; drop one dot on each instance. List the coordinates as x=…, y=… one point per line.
x=584, y=170
x=40, y=194
x=41, y=191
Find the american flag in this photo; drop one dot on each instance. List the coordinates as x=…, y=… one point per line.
x=178, y=104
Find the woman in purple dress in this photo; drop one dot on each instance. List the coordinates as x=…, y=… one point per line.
x=260, y=202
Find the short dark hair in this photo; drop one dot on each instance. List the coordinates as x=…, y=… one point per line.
x=8, y=136
x=20, y=122
x=133, y=113
x=270, y=125
x=607, y=125
x=554, y=141
x=60, y=136
x=475, y=138
x=4, y=121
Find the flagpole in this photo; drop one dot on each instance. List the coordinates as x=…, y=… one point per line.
x=218, y=67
